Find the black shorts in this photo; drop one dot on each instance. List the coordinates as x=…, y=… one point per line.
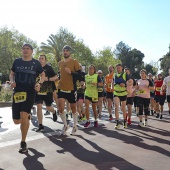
x=100, y=94
x=80, y=96
x=91, y=100
x=143, y=104
x=70, y=96
x=160, y=99
x=26, y=106
x=121, y=98
x=109, y=95
x=48, y=99
x=129, y=100
x=168, y=98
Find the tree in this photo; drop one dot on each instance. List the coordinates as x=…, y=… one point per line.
x=149, y=69
x=105, y=58
x=11, y=42
x=55, y=43
x=165, y=64
x=83, y=53
x=130, y=58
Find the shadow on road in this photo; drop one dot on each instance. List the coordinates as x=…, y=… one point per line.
x=31, y=162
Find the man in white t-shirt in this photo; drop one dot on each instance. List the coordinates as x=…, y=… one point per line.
x=166, y=87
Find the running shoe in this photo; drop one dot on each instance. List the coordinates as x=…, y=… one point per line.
x=157, y=116
x=117, y=126
x=74, y=130
x=137, y=114
x=64, y=130
x=100, y=115
x=95, y=123
x=140, y=124
x=47, y=113
x=125, y=125
x=87, y=124
x=84, y=117
x=110, y=117
x=161, y=116
x=55, y=116
x=23, y=147
x=129, y=121
x=40, y=129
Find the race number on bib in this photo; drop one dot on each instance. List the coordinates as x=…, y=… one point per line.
x=142, y=91
x=42, y=93
x=158, y=88
x=94, y=99
x=20, y=97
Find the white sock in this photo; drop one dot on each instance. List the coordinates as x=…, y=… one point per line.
x=63, y=118
x=75, y=119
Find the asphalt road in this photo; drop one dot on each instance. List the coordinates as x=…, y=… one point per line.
x=102, y=148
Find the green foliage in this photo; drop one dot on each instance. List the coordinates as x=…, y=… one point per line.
x=150, y=69
x=165, y=64
x=6, y=94
x=11, y=42
x=56, y=42
x=130, y=58
x=105, y=58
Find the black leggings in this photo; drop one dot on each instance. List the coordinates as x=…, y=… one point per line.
x=143, y=104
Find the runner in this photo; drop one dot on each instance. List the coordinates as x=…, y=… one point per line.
x=100, y=94
x=69, y=68
x=130, y=96
x=23, y=79
x=160, y=96
x=152, y=95
x=120, y=94
x=46, y=92
x=92, y=81
x=109, y=90
x=166, y=87
x=144, y=86
x=80, y=95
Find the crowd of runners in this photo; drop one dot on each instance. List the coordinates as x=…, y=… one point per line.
x=36, y=83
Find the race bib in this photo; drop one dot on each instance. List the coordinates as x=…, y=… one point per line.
x=20, y=97
x=42, y=93
x=158, y=88
x=142, y=91
x=100, y=89
x=109, y=85
x=94, y=99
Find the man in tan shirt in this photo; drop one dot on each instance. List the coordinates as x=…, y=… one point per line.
x=69, y=69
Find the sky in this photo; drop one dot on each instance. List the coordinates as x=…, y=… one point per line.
x=142, y=24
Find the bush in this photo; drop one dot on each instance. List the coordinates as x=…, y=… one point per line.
x=6, y=94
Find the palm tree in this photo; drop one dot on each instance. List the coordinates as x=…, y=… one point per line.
x=56, y=42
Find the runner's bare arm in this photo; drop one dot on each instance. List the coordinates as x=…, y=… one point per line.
x=12, y=79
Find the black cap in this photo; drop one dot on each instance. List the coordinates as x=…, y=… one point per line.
x=28, y=45
x=67, y=47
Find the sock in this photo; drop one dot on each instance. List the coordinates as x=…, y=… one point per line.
x=117, y=122
x=140, y=120
x=40, y=124
x=75, y=119
x=63, y=118
x=145, y=120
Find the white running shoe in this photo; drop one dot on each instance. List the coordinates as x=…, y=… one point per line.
x=64, y=130
x=140, y=124
x=74, y=130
